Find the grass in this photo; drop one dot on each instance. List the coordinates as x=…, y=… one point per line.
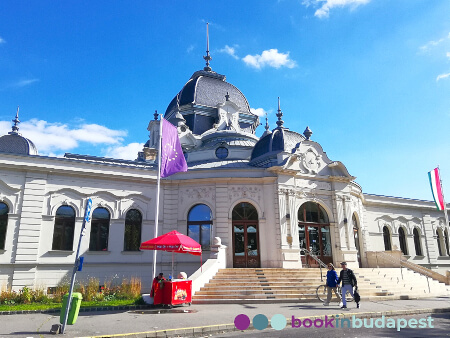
x=50, y=306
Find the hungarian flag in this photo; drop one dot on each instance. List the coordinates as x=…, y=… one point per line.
x=435, y=183
x=172, y=157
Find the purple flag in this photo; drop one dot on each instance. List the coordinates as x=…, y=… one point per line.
x=172, y=157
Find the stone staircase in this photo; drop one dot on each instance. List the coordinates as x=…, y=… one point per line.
x=276, y=285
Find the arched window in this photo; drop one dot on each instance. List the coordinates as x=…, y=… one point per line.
x=417, y=244
x=314, y=232
x=3, y=224
x=244, y=211
x=64, y=228
x=99, y=230
x=200, y=224
x=402, y=239
x=133, y=225
x=439, y=242
x=313, y=213
x=446, y=241
x=387, y=239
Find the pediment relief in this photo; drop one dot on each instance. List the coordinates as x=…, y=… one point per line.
x=198, y=194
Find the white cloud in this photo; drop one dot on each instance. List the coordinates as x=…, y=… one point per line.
x=190, y=48
x=327, y=5
x=443, y=76
x=448, y=55
x=127, y=152
x=23, y=83
x=2, y=40
x=53, y=138
x=271, y=58
x=258, y=111
x=230, y=51
x=433, y=43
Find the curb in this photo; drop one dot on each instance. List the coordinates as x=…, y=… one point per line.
x=201, y=331
x=82, y=309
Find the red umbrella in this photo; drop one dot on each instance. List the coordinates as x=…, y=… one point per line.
x=173, y=242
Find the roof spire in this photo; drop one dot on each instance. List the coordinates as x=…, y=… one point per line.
x=267, y=123
x=207, y=57
x=155, y=115
x=15, y=128
x=279, y=115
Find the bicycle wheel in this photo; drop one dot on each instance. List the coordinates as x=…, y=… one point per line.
x=321, y=293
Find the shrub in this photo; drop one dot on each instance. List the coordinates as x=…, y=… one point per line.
x=130, y=289
x=24, y=296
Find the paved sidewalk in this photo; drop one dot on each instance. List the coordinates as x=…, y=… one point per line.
x=201, y=319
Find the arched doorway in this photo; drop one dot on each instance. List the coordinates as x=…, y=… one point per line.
x=356, y=238
x=314, y=233
x=246, y=252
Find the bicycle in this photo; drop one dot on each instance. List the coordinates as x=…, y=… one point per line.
x=321, y=293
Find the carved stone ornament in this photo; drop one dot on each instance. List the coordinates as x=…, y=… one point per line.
x=311, y=161
x=198, y=194
x=243, y=192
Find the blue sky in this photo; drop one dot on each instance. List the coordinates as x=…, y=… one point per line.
x=371, y=78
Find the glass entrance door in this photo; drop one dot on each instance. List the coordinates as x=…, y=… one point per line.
x=245, y=245
x=317, y=240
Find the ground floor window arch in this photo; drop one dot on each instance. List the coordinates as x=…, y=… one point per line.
x=387, y=239
x=246, y=250
x=314, y=233
x=402, y=240
x=199, y=225
x=3, y=224
x=417, y=242
x=440, y=242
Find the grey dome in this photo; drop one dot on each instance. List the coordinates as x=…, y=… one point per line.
x=265, y=152
x=14, y=143
x=197, y=101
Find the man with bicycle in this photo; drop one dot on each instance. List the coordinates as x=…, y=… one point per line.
x=348, y=279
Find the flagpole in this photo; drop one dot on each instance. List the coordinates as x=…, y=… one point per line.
x=158, y=184
x=447, y=225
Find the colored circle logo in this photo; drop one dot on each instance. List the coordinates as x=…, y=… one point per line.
x=242, y=322
x=260, y=322
x=278, y=322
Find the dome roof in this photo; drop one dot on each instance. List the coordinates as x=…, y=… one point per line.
x=207, y=88
x=199, y=99
x=15, y=143
x=280, y=140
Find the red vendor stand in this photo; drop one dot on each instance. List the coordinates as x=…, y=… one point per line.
x=173, y=292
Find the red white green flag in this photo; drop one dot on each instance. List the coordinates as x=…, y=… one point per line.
x=435, y=182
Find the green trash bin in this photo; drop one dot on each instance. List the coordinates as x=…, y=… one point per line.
x=74, y=308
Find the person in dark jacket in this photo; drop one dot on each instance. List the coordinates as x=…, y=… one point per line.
x=332, y=278
x=348, y=279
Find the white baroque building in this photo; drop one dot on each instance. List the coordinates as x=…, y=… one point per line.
x=265, y=198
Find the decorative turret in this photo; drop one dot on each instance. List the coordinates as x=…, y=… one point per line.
x=15, y=143
x=15, y=128
x=280, y=122
x=207, y=57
